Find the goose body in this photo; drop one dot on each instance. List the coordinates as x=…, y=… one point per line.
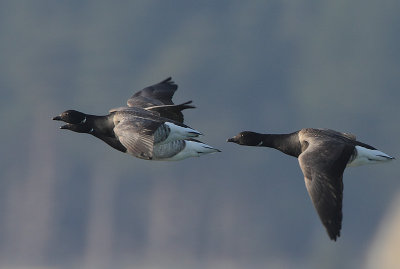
x=150, y=128
x=323, y=154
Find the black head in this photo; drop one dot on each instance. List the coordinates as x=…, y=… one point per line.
x=76, y=121
x=246, y=138
x=71, y=116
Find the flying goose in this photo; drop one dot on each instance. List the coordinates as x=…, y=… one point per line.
x=150, y=128
x=323, y=155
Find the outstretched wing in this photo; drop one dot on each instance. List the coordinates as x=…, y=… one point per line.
x=154, y=95
x=323, y=164
x=158, y=98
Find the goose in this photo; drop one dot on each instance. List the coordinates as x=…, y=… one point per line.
x=323, y=154
x=151, y=126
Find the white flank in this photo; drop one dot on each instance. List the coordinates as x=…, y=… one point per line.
x=192, y=149
x=180, y=133
x=369, y=156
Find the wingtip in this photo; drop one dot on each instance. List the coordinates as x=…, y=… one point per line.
x=187, y=105
x=334, y=235
x=169, y=81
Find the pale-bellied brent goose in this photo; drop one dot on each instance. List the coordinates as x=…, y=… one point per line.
x=323, y=155
x=150, y=128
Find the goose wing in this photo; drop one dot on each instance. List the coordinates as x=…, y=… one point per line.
x=158, y=98
x=154, y=95
x=159, y=114
x=173, y=112
x=136, y=135
x=323, y=164
x=338, y=134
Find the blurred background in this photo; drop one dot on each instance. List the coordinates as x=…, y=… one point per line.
x=68, y=200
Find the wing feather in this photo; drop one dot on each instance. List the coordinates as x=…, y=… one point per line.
x=136, y=135
x=158, y=99
x=323, y=164
x=154, y=95
x=173, y=112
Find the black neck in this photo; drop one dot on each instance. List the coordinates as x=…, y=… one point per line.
x=101, y=124
x=102, y=127
x=286, y=143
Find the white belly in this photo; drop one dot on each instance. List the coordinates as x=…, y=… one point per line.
x=192, y=149
x=180, y=133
